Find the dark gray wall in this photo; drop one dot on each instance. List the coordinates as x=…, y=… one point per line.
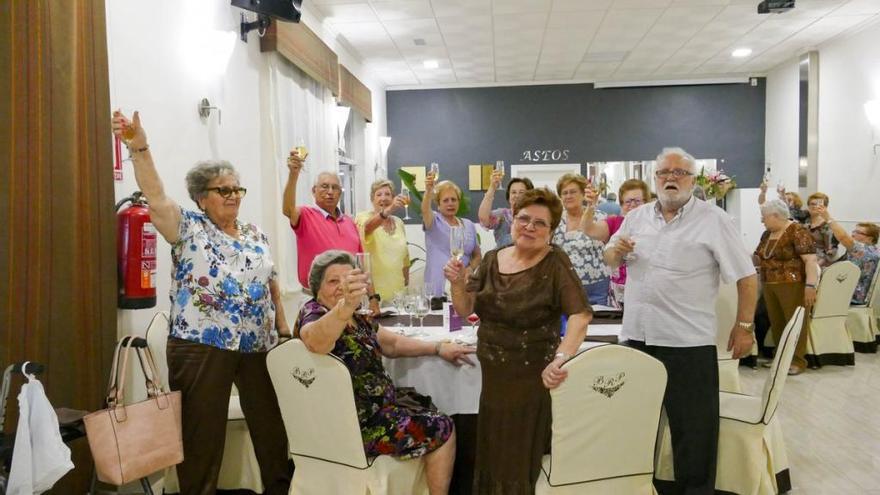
x=457, y=127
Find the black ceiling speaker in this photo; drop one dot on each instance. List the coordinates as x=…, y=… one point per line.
x=775, y=6
x=282, y=10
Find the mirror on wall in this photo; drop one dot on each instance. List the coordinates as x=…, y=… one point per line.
x=608, y=176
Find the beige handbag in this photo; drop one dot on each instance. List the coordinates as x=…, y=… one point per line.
x=132, y=441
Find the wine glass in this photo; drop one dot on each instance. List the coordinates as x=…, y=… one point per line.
x=302, y=151
x=365, y=265
x=409, y=301
x=421, y=308
x=499, y=167
x=780, y=187
x=456, y=242
x=473, y=319
x=398, y=302
x=435, y=170
x=128, y=131
x=406, y=201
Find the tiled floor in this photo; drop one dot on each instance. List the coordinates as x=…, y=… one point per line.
x=831, y=423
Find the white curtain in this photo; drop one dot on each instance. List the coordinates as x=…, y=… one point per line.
x=293, y=106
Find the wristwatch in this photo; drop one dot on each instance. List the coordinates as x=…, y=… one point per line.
x=746, y=325
x=383, y=215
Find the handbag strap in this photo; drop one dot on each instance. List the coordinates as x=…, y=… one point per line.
x=114, y=374
x=125, y=348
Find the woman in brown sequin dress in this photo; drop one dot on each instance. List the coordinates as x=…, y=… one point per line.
x=520, y=293
x=786, y=260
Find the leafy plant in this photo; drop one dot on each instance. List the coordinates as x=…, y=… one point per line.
x=409, y=181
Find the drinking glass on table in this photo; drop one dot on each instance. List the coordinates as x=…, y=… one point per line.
x=409, y=301
x=421, y=308
x=363, y=262
x=456, y=242
x=398, y=302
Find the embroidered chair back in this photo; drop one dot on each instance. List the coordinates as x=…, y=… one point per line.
x=317, y=404
x=605, y=416
x=835, y=290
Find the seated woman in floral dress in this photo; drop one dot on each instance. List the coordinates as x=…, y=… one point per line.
x=391, y=421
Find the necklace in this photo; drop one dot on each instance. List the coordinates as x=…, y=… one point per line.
x=769, y=255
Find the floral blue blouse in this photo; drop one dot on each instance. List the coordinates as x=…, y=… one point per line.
x=585, y=253
x=220, y=286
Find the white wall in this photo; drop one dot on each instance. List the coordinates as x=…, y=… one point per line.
x=849, y=76
x=157, y=58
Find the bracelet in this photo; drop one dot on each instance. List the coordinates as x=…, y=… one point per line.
x=810, y=286
x=383, y=215
x=132, y=151
x=562, y=355
x=437, y=347
x=746, y=325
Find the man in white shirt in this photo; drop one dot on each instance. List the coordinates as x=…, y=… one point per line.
x=677, y=250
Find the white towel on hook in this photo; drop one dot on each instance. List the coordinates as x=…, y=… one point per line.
x=39, y=457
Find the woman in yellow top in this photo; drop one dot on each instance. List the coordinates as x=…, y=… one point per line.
x=384, y=237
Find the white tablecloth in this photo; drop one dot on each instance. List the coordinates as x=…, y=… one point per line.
x=454, y=389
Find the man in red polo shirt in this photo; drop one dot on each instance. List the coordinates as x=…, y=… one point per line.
x=320, y=227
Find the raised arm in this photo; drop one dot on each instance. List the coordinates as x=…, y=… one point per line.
x=379, y=216
x=321, y=335
x=288, y=206
x=485, y=211
x=837, y=230
x=596, y=230
x=164, y=211
x=427, y=214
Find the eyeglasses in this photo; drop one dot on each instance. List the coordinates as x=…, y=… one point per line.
x=227, y=192
x=329, y=187
x=525, y=220
x=856, y=231
x=677, y=173
x=634, y=202
x=815, y=205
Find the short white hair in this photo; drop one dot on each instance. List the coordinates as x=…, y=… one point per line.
x=775, y=207
x=680, y=152
x=326, y=174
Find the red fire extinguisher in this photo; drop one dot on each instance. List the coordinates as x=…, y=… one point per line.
x=136, y=254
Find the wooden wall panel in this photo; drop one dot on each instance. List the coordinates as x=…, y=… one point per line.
x=302, y=47
x=354, y=93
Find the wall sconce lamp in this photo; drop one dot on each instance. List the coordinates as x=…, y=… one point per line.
x=872, y=111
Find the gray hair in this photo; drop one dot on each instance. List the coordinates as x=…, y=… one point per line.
x=775, y=207
x=676, y=151
x=327, y=174
x=611, y=197
x=202, y=173
x=320, y=264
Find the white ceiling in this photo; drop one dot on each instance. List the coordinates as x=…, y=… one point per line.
x=519, y=41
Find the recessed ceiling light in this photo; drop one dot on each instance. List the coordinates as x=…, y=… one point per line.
x=419, y=42
x=741, y=52
x=431, y=64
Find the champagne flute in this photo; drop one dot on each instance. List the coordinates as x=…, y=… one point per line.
x=435, y=170
x=499, y=167
x=421, y=308
x=301, y=149
x=364, y=263
x=128, y=131
x=406, y=201
x=398, y=302
x=780, y=187
x=408, y=306
x=456, y=242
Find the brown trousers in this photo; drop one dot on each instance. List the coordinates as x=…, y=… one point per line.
x=204, y=375
x=781, y=300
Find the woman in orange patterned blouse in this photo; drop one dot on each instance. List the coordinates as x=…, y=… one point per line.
x=786, y=260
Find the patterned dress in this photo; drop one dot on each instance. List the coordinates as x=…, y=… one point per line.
x=220, y=286
x=395, y=422
x=587, y=258
x=865, y=257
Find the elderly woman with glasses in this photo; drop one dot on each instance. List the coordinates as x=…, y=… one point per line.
x=633, y=193
x=438, y=226
x=861, y=249
x=520, y=293
x=786, y=260
x=500, y=220
x=585, y=253
x=226, y=313
x=391, y=422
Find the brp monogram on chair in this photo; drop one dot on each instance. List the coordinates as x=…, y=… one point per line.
x=608, y=385
x=305, y=377
x=841, y=277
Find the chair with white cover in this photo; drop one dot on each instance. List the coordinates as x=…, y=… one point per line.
x=605, y=417
x=751, y=450
x=828, y=342
x=862, y=320
x=239, y=469
x=725, y=318
x=317, y=404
